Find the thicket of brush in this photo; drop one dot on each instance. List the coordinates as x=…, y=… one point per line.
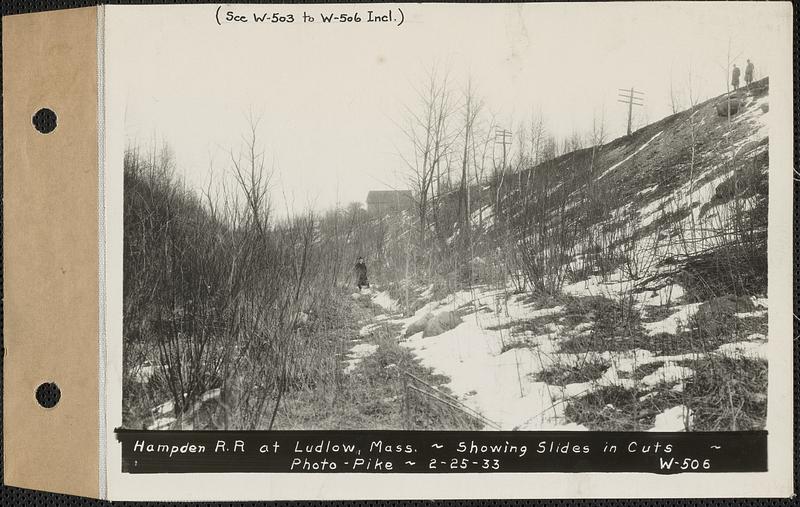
x=226, y=301
x=230, y=307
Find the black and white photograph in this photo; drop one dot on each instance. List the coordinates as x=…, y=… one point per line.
x=392, y=217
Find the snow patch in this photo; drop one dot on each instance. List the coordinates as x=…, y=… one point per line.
x=671, y=324
x=757, y=313
x=747, y=349
x=385, y=301
x=647, y=190
x=358, y=353
x=143, y=372
x=629, y=156
x=504, y=391
x=368, y=329
x=673, y=419
x=427, y=293
x=668, y=374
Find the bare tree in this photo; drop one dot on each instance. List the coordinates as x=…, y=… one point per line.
x=482, y=142
x=252, y=176
x=674, y=99
x=427, y=130
x=471, y=109
x=597, y=138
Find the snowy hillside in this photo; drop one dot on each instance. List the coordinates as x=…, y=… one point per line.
x=639, y=300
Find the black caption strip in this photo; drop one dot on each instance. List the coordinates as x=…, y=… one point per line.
x=147, y=452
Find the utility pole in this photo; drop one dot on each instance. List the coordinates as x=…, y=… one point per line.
x=503, y=136
x=632, y=98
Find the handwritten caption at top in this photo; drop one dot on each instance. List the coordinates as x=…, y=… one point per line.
x=393, y=16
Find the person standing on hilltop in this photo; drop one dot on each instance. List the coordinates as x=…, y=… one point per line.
x=748, y=72
x=735, y=77
x=361, y=273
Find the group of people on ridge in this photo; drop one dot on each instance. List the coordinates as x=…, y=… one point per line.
x=748, y=74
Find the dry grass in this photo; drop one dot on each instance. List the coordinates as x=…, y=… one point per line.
x=728, y=393
x=615, y=408
x=373, y=395
x=562, y=374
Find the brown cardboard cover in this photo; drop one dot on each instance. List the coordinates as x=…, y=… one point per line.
x=51, y=253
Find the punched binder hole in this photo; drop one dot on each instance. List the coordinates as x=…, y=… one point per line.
x=48, y=394
x=45, y=120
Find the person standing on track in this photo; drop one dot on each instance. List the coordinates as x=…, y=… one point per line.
x=361, y=273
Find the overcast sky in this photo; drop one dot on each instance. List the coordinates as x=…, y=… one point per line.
x=331, y=96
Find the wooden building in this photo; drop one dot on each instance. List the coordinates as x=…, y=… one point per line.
x=383, y=202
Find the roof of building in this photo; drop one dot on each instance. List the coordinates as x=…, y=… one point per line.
x=387, y=195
